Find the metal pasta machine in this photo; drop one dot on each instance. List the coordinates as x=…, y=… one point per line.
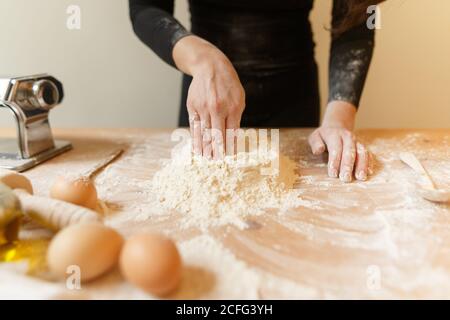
x=30, y=100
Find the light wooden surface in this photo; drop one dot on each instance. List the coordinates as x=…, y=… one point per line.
x=374, y=239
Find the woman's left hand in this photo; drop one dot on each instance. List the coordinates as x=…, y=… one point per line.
x=346, y=156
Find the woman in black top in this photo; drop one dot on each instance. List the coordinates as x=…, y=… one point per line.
x=251, y=63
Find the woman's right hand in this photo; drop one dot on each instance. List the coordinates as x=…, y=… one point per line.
x=216, y=98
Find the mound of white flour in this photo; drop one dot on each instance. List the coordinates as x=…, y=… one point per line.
x=226, y=191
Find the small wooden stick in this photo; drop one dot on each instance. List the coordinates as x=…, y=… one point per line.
x=97, y=168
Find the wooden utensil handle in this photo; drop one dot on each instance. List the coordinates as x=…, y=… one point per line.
x=113, y=156
x=411, y=160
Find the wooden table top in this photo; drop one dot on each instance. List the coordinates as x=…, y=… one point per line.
x=374, y=239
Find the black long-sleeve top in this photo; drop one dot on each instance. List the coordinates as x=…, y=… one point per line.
x=262, y=38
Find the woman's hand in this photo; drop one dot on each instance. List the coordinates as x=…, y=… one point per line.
x=346, y=156
x=216, y=98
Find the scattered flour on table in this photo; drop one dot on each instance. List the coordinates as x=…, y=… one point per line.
x=226, y=191
x=219, y=273
x=399, y=228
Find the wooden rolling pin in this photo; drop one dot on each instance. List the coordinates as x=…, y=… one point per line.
x=54, y=214
x=50, y=213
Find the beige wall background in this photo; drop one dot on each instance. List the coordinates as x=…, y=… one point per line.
x=112, y=80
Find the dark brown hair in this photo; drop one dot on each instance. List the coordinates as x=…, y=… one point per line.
x=355, y=13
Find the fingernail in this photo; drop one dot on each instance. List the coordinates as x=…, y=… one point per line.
x=333, y=173
x=361, y=176
x=319, y=150
x=346, y=176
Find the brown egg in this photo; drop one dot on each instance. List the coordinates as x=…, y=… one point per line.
x=79, y=191
x=152, y=263
x=94, y=248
